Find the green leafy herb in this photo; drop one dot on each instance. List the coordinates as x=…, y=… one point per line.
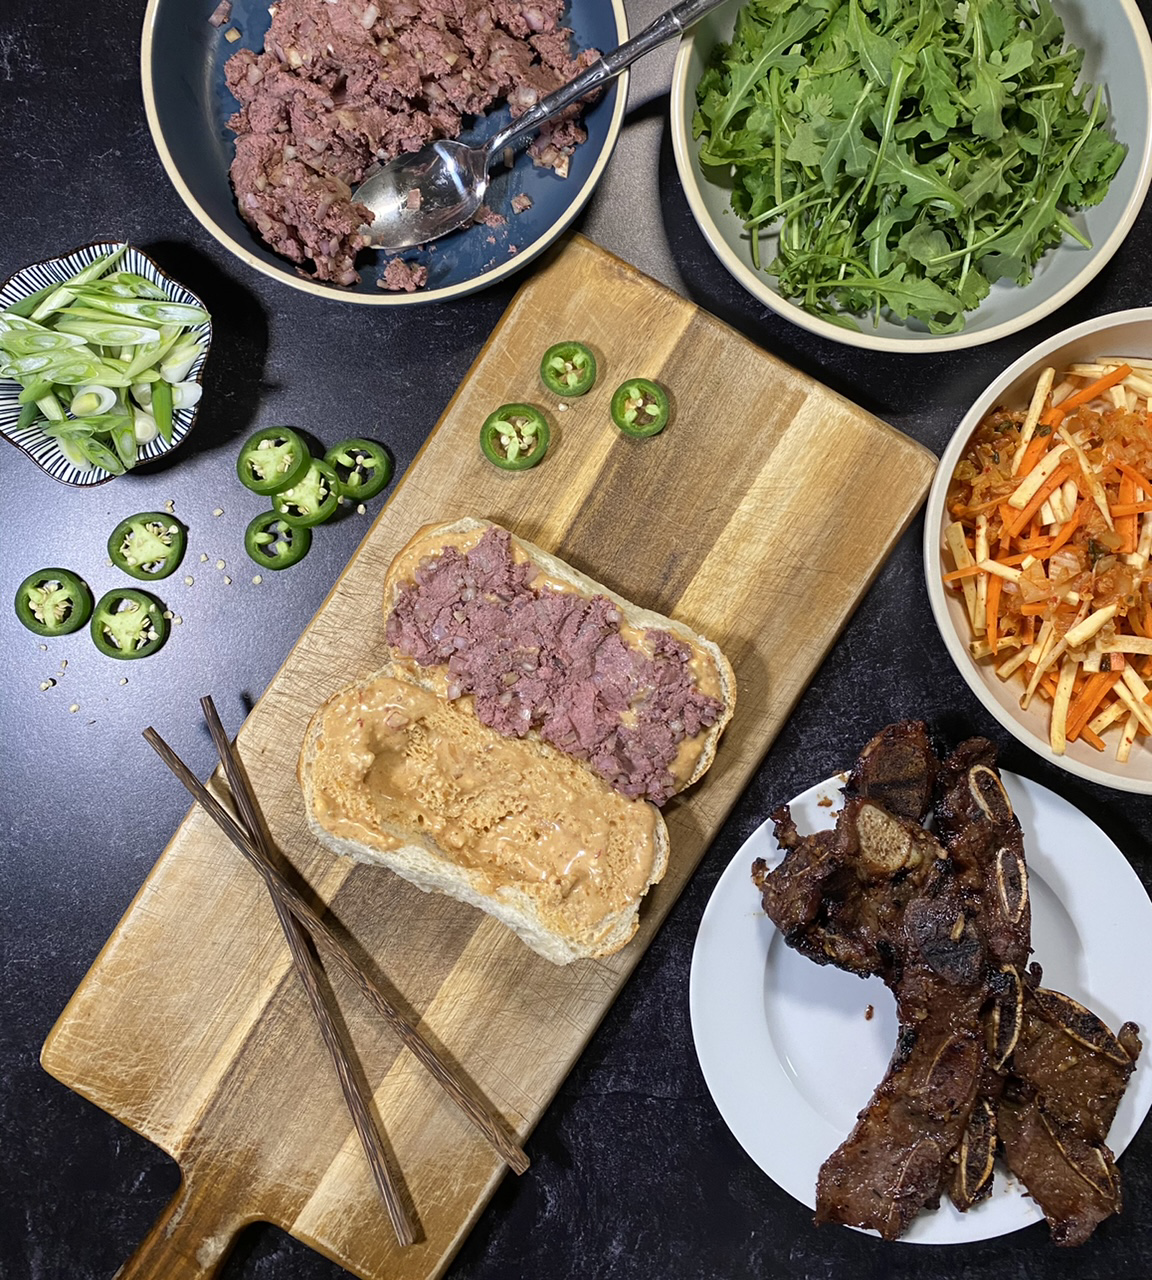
x=904, y=154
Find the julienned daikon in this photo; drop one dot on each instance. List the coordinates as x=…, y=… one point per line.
x=103, y=361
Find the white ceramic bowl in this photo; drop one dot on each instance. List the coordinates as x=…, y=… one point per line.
x=1118, y=55
x=1123, y=333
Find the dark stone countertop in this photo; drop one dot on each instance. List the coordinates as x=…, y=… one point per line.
x=634, y=1173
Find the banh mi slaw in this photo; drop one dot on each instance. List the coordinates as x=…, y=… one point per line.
x=1050, y=537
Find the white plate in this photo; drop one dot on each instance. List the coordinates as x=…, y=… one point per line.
x=791, y=1050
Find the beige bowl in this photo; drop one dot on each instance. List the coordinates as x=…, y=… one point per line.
x=1123, y=333
x=1118, y=55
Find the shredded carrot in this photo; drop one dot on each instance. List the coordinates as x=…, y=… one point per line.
x=970, y=569
x=992, y=634
x=1092, y=739
x=1127, y=469
x=1054, y=481
x=1038, y=446
x=1096, y=689
x=1126, y=524
x=1070, y=527
x=1088, y=393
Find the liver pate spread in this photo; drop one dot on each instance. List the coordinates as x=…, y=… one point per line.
x=341, y=84
x=535, y=655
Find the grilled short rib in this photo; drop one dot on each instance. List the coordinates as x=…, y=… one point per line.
x=1068, y=1074
x=985, y=1059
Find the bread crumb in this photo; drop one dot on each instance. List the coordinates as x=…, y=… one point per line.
x=232, y=35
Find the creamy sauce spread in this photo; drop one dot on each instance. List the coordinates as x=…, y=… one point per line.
x=391, y=754
x=702, y=665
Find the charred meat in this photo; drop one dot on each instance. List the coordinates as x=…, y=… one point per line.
x=987, y=1061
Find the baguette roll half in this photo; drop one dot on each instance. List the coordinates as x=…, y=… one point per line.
x=643, y=702
x=395, y=774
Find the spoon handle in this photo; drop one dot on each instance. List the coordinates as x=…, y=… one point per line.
x=658, y=32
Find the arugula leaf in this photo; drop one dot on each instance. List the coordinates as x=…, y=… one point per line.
x=745, y=76
x=902, y=154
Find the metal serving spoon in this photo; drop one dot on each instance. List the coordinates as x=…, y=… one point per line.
x=425, y=194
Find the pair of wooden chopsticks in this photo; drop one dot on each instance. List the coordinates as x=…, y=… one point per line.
x=251, y=837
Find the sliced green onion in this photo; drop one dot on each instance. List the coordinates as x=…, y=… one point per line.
x=186, y=395
x=77, y=347
x=124, y=439
x=145, y=428
x=147, y=310
x=140, y=286
x=28, y=304
x=100, y=315
x=162, y=409
x=27, y=344
x=177, y=365
x=62, y=294
x=35, y=391
x=108, y=333
x=51, y=408
x=99, y=455
x=149, y=356
x=92, y=398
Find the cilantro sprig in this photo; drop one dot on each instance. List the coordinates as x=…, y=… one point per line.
x=905, y=154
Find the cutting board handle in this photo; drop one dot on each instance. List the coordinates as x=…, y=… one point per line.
x=188, y=1241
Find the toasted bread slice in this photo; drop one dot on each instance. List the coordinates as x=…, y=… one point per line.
x=711, y=671
x=394, y=773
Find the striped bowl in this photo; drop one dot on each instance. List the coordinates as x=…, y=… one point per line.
x=43, y=449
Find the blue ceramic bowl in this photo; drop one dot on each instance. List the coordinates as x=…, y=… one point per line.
x=188, y=105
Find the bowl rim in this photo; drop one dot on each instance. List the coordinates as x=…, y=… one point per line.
x=933, y=560
x=381, y=298
x=198, y=376
x=756, y=282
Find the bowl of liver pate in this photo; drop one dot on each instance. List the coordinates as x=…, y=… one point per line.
x=280, y=109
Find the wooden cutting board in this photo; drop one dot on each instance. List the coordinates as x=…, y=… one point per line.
x=760, y=516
